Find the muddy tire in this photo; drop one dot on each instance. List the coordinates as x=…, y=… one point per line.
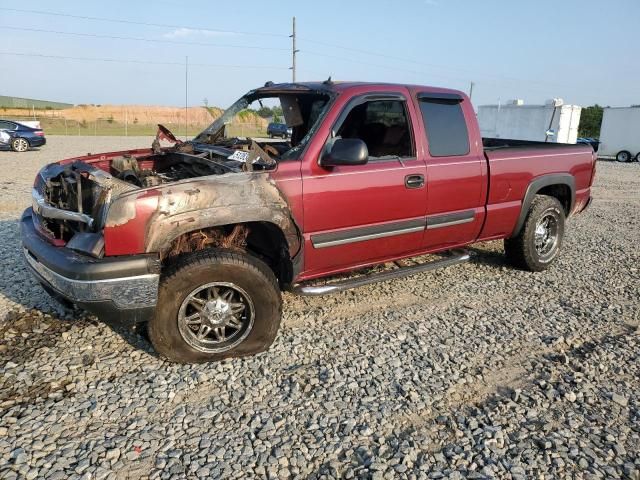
x=215, y=304
x=537, y=245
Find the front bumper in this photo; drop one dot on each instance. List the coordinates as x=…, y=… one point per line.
x=122, y=289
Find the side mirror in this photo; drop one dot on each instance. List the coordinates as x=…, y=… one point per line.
x=345, y=151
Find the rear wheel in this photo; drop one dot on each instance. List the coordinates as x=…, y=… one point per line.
x=638, y=157
x=19, y=145
x=538, y=243
x=623, y=156
x=214, y=305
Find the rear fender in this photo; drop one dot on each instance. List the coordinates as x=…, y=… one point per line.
x=538, y=184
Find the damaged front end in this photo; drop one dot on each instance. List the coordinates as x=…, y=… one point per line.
x=101, y=226
x=70, y=203
x=118, y=216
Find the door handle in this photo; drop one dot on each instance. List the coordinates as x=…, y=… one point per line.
x=414, y=181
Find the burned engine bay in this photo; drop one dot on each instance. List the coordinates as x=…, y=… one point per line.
x=74, y=197
x=186, y=161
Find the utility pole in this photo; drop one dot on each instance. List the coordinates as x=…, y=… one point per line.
x=293, y=51
x=186, y=95
x=471, y=90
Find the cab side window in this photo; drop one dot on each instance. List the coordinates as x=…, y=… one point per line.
x=383, y=125
x=446, y=127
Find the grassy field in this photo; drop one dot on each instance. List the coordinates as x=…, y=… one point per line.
x=105, y=128
x=134, y=120
x=119, y=129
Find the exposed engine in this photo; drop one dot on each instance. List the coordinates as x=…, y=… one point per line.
x=187, y=161
x=83, y=191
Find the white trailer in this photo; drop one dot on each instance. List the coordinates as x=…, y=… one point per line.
x=552, y=122
x=620, y=134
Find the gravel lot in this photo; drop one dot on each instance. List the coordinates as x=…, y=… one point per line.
x=478, y=371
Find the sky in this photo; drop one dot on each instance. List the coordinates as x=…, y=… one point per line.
x=584, y=51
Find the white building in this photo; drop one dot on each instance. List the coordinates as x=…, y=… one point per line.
x=553, y=122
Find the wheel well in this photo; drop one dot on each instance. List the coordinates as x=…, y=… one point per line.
x=561, y=192
x=263, y=240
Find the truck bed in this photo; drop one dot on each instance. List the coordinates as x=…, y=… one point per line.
x=514, y=164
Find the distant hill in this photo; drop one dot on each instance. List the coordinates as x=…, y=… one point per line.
x=19, y=102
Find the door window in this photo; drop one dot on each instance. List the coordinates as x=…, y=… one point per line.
x=383, y=125
x=446, y=127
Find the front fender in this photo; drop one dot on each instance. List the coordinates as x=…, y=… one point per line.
x=187, y=206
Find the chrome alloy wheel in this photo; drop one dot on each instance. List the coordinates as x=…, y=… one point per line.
x=20, y=145
x=546, y=235
x=216, y=317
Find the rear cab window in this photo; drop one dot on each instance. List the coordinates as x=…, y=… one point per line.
x=445, y=124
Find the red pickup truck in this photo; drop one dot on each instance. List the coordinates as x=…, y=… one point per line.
x=199, y=238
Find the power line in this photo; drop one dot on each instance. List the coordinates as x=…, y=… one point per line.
x=415, y=62
x=147, y=24
x=326, y=44
x=385, y=67
x=139, y=39
x=141, y=62
x=542, y=86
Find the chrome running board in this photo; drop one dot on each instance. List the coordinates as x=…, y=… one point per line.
x=454, y=258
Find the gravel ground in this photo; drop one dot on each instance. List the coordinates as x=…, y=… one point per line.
x=477, y=371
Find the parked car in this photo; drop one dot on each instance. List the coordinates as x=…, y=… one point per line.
x=200, y=238
x=21, y=137
x=277, y=130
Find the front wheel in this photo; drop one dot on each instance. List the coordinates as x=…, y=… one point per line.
x=213, y=305
x=19, y=145
x=539, y=241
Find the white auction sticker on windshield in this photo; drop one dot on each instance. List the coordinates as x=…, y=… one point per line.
x=239, y=155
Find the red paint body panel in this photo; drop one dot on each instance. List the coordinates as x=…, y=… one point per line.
x=355, y=196
x=513, y=169
x=288, y=179
x=501, y=218
x=129, y=238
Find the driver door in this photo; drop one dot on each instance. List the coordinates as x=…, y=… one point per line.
x=356, y=215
